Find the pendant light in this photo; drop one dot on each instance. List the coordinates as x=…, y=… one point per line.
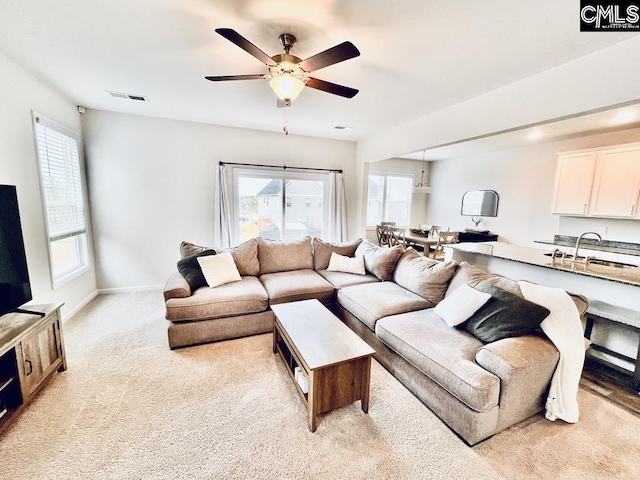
x=422, y=187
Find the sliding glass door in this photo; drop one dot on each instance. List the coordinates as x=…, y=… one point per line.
x=263, y=199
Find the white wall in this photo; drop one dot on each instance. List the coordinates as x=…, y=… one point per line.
x=20, y=93
x=151, y=184
x=524, y=179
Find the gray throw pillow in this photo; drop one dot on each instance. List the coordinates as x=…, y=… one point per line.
x=190, y=269
x=504, y=315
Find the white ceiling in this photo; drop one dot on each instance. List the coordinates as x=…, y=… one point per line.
x=417, y=57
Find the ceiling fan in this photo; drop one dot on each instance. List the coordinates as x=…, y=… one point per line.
x=288, y=74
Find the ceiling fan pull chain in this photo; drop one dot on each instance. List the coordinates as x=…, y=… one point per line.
x=285, y=127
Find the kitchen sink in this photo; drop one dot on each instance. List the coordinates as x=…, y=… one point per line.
x=592, y=261
x=566, y=257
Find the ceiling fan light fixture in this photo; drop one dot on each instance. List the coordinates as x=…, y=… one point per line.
x=286, y=86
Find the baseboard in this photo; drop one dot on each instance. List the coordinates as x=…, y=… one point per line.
x=68, y=315
x=139, y=288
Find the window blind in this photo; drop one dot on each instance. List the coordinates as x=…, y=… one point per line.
x=59, y=158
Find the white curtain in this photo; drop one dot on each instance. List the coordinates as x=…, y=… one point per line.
x=222, y=217
x=337, y=208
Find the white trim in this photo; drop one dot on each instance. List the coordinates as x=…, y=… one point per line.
x=69, y=315
x=138, y=288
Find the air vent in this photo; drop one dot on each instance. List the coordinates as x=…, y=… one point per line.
x=129, y=96
x=343, y=127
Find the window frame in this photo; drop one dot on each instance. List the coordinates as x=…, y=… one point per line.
x=272, y=173
x=383, y=206
x=82, y=248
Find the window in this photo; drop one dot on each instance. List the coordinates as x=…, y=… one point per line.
x=285, y=196
x=62, y=182
x=389, y=199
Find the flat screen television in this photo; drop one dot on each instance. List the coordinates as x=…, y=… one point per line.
x=15, y=289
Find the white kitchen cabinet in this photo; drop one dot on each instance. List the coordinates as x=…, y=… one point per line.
x=598, y=182
x=574, y=183
x=617, y=183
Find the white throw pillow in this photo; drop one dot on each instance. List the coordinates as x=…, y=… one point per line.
x=340, y=263
x=461, y=304
x=219, y=269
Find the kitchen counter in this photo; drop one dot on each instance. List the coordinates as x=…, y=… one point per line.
x=612, y=293
x=590, y=243
x=536, y=257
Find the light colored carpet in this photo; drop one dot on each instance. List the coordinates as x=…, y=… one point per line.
x=128, y=407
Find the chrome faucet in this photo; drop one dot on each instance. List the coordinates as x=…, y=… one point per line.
x=582, y=235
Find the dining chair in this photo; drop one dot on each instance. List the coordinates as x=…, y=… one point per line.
x=395, y=236
x=444, y=238
x=383, y=235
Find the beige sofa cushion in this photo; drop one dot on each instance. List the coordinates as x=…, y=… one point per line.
x=379, y=261
x=284, y=256
x=322, y=251
x=243, y=297
x=478, y=278
x=342, y=279
x=446, y=355
x=424, y=276
x=296, y=285
x=245, y=255
x=187, y=249
x=372, y=301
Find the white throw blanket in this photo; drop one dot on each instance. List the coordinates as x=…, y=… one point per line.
x=564, y=329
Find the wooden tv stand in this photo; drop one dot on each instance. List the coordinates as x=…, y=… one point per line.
x=31, y=350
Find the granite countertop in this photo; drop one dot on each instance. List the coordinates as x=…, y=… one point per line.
x=590, y=243
x=535, y=256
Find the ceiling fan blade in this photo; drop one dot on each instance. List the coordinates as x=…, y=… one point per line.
x=337, y=54
x=224, y=78
x=332, y=88
x=246, y=45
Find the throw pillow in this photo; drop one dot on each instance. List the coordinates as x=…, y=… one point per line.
x=424, y=276
x=379, y=261
x=461, y=304
x=190, y=269
x=340, y=263
x=504, y=315
x=322, y=251
x=219, y=269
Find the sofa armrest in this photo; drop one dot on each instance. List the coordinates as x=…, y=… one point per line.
x=176, y=287
x=524, y=366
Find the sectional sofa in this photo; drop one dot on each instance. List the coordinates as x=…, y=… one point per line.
x=476, y=388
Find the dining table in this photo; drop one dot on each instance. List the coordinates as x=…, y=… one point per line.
x=424, y=240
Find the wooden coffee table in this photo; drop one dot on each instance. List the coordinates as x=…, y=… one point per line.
x=335, y=361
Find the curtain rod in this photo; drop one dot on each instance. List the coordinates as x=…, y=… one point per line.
x=283, y=167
